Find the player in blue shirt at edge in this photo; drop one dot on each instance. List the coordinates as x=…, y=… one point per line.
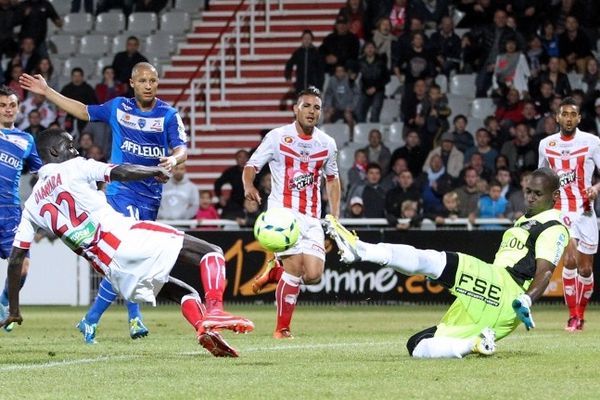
x=17, y=148
x=144, y=129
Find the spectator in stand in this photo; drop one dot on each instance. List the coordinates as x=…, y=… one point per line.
x=109, y=88
x=9, y=19
x=373, y=178
x=377, y=152
x=516, y=200
x=35, y=123
x=430, y=12
x=36, y=102
x=483, y=147
x=476, y=162
x=233, y=176
x=469, y=54
x=412, y=102
x=463, y=139
x=207, y=210
x=249, y=214
x=530, y=117
x=547, y=127
x=373, y=194
x=520, y=151
x=562, y=87
x=374, y=76
x=154, y=6
x=341, y=98
x=491, y=42
x=449, y=211
x=543, y=97
x=398, y=16
x=88, y=6
x=358, y=172
x=412, y=152
x=468, y=194
x=78, y=89
x=124, y=61
x=180, y=198
x=510, y=109
x=86, y=141
x=356, y=208
x=27, y=57
x=375, y=10
x=13, y=82
x=492, y=205
x=33, y=15
x=511, y=69
x=550, y=39
x=392, y=179
x=102, y=134
x=498, y=135
x=504, y=177
x=446, y=45
x=436, y=183
x=591, y=82
x=264, y=190
x=96, y=153
x=452, y=158
x=45, y=68
x=432, y=120
x=384, y=40
x=501, y=162
x=415, y=63
x=354, y=13
x=406, y=189
x=308, y=65
x=340, y=46
x=536, y=55
x=574, y=46
x=592, y=124
x=409, y=210
x=405, y=41
x=478, y=13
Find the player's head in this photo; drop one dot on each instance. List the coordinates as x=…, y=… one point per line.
x=541, y=191
x=9, y=107
x=308, y=108
x=55, y=146
x=568, y=116
x=144, y=81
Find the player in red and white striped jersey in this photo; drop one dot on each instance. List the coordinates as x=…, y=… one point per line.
x=136, y=256
x=300, y=156
x=574, y=155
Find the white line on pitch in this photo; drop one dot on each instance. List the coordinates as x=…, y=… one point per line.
x=52, y=364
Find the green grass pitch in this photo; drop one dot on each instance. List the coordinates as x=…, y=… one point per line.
x=340, y=352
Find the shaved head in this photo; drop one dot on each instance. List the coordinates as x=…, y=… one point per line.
x=142, y=66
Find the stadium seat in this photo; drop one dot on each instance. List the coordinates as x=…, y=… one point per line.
x=473, y=124
x=78, y=23
x=442, y=82
x=392, y=87
x=361, y=132
x=463, y=85
x=346, y=157
x=482, y=107
x=575, y=80
x=142, y=23
x=110, y=23
x=63, y=45
x=94, y=45
x=101, y=63
x=62, y=7
x=390, y=111
x=175, y=22
x=191, y=6
x=395, y=136
x=85, y=63
x=339, y=131
x=119, y=42
x=160, y=45
x=458, y=105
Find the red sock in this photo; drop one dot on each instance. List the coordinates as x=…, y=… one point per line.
x=275, y=272
x=193, y=310
x=286, y=295
x=569, y=277
x=585, y=288
x=212, y=271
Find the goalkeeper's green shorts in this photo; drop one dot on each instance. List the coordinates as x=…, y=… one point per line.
x=484, y=295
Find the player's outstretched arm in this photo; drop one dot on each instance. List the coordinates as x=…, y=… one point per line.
x=15, y=264
x=132, y=172
x=37, y=84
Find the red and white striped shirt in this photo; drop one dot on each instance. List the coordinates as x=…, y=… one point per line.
x=297, y=163
x=573, y=159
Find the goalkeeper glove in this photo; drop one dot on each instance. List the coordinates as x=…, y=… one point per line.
x=522, y=307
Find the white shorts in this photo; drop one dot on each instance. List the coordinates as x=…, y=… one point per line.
x=144, y=260
x=584, y=228
x=311, y=240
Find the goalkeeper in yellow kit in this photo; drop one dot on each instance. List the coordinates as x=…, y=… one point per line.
x=491, y=299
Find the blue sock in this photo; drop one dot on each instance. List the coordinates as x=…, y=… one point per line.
x=4, y=295
x=106, y=295
x=134, y=310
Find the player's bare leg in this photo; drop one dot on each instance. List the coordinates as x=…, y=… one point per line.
x=569, y=278
x=584, y=285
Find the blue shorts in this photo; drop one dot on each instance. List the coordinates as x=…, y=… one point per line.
x=9, y=222
x=140, y=208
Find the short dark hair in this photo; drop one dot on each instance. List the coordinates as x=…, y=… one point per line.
x=133, y=38
x=494, y=182
x=569, y=101
x=373, y=165
x=77, y=69
x=310, y=91
x=6, y=91
x=47, y=138
x=459, y=116
x=107, y=67
x=308, y=32
x=549, y=176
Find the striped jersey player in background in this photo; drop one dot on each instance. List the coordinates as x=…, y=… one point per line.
x=144, y=129
x=17, y=149
x=574, y=155
x=299, y=156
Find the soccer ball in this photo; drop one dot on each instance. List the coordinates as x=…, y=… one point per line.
x=276, y=229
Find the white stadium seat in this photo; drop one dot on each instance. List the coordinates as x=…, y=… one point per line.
x=110, y=23
x=473, y=124
x=191, y=6
x=78, y=23
x=393, y=87
x=94, y=45
x=390, y=111
x=346, y=157
x=160, y=45
x=482, y=107
x=339, y=131
x=175, y=22
x=63, y=45
x=101, y=63
x=442, y=82
x=142, y=23
x=463, y=85
x=85, y=63
x=62, y=7
x=458, y=105
x=394, y=138
x=119, y=42
x=361, y=132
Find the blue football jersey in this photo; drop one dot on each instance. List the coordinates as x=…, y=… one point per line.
x=139, y=137
x=16, y=147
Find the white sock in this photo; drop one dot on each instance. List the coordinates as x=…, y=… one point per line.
x=404, y=259
x=443, y=347
x=291, y=279
x=569, y=273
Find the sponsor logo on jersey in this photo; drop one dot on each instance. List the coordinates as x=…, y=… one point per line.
x=288, y=139
x=300, y=180
x=141, y=150
x=566, y=176
x=18, y=141
x=126, y=107
x=79, y=235
x=140, y=123
x=10, y=160
x=552, y=143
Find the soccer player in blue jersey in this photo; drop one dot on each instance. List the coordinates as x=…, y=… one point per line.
x=17, y=148
x=146, y=131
